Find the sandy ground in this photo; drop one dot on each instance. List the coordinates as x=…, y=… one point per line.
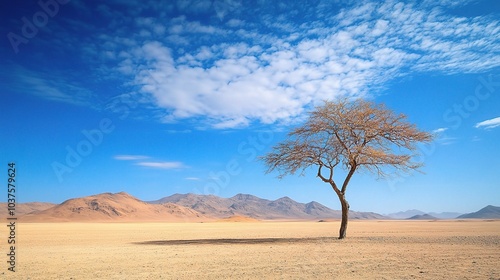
x=262, y=250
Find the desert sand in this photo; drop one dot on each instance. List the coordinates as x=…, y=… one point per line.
x=257, y=250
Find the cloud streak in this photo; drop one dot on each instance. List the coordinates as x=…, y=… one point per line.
x=143, y=161
x=162, y=164
x=488, y=124
x=440, y=130
x=130, y=157
x=193, y=178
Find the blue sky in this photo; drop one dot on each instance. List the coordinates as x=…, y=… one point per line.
x=163, y=97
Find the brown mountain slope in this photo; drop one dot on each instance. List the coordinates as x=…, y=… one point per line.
x=25, y=208
x=209, y=205
x=488, y=212
x=258, y=208
x=108, y=207
x=122, y=207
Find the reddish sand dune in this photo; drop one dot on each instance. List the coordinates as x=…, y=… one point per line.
x=108, y=207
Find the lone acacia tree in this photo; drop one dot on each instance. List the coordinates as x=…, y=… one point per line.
x=353, y=135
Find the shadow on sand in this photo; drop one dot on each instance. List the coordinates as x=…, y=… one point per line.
x=225, y=241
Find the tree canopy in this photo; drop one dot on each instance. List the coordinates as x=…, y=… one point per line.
x=353, y=135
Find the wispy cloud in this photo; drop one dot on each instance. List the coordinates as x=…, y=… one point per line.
x=49, y=86
x=275, y=79
x=440, y=130
x=162, y=164
x=446, y=140
x=442, y=138
x=488, y=124
x=267, y=66
x=184, y=131
x=141, y=160
x=193, y=178
x=447, y=3
x=130, y=157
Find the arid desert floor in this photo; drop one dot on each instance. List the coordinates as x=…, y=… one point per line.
x=256, y=250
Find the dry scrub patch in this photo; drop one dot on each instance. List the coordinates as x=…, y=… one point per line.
x=261, y=250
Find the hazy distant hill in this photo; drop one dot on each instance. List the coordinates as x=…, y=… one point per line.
x=25, y=208
x=112, y=207
x=405, y=214
x=255, y=207
x=410, y=213
x=422, y=217
x=445, y=215
x=488, y=212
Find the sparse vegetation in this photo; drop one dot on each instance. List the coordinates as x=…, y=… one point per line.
x=353, y=135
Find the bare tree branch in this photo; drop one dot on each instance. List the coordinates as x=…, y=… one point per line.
x=358, y=135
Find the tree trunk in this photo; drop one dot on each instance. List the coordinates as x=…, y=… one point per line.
x=345, y=216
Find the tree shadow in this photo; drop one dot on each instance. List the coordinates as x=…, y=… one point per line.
x=227, y=241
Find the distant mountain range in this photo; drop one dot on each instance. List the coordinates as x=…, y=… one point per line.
x=488, y=212
x=422, y=217
x=255, y=207
x=108, y=207
x=412, y=213
x=122, y=207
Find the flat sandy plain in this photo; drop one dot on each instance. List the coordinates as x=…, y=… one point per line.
x=256, y=250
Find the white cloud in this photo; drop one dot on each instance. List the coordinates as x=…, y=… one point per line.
x=225, y=7
x=267, y=68
x=162, y=164
x=194, y=6
x=476, y=139
x=171, y=131
x=444, y=140
x=140, y=160
x=439, y=130
x=488, y=124
x=380, y=27
x=233, y=84
x=130, y=157
x=235, y=22
x=448, y=3
x=193, y=178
